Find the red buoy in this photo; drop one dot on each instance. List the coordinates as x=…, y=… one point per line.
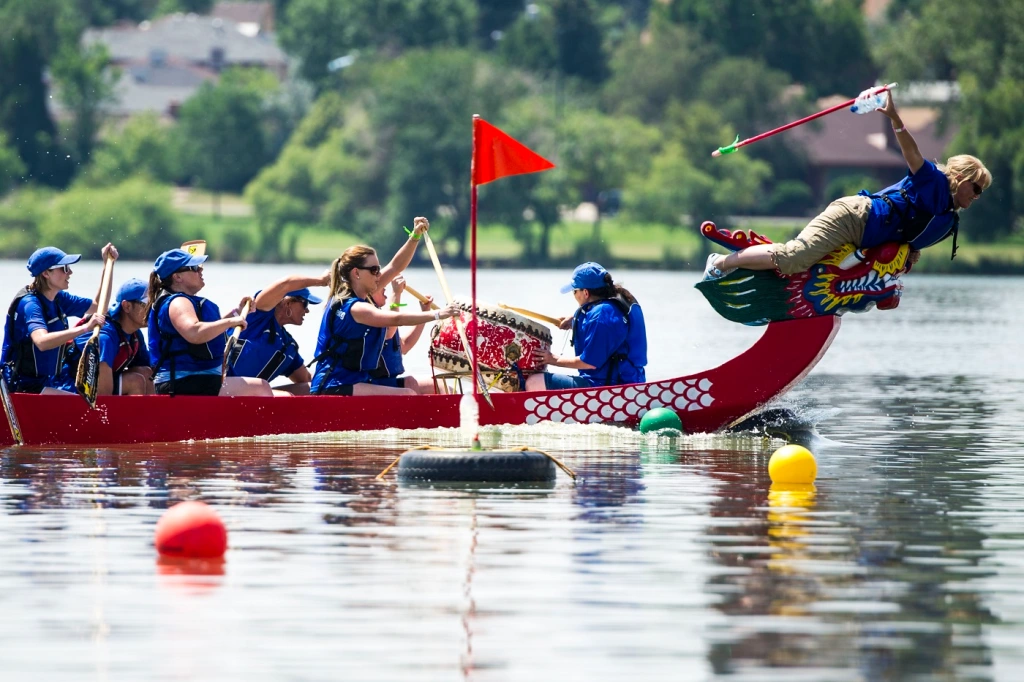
x=191, y=529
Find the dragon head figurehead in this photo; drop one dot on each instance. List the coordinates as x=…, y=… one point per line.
x=851, y=280
x=847, y=280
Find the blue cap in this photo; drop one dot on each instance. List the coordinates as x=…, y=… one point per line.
x=48, y=257
x=132, y=290
x=169, y=262
x=304, y=294
x=586, y=276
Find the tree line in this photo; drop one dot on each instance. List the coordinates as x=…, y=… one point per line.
x=627, y=97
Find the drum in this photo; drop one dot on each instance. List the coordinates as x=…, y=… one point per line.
x=506, y=340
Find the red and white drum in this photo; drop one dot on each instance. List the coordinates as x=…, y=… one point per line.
x=505, y=340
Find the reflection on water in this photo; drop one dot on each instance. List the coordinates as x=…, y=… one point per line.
x=671, y=558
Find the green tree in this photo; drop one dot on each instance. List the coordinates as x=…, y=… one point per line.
x=580, y=48
x=820, y=44
x=136, y=215
x=685, y=181
x=328, y=174
x=221, y=136
x=649, y=73
x=144, y=146
x=31, y=33
x=11, y=167
x=21, y=214
x=320, y=31
x=85, y=84
x=422, y=109
x=599, y=152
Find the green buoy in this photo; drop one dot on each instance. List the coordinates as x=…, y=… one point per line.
x=660, y=418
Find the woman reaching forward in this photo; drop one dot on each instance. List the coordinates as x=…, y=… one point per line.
x=353, y=329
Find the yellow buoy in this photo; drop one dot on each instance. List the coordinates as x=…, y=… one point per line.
x=792, y=464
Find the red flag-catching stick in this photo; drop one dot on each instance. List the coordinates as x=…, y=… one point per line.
x=736, y=145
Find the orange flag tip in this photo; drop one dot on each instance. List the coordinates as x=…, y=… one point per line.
x=496, y=154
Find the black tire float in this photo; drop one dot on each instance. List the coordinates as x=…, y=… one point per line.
x=499, y=466
x=522, y=465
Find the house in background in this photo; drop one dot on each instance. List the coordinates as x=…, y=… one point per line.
x=163, y=62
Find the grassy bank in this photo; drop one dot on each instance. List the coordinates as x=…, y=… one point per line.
x=622, y=245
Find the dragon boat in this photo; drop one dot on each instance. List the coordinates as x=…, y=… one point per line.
x=801, y=315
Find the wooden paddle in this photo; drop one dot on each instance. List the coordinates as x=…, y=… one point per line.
x=196, y=247
x=421, y=298
x=229, y=347
x=529, y=313
x=458, y=320
x=88, y=377
x=12, y=418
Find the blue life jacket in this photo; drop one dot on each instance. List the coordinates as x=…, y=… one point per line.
x=265, y=349
x=909, y=221
x=392, y=355
x=123, y=348
x=346, y=351
x=168, y=348
x=632, y=351
x=26, y=368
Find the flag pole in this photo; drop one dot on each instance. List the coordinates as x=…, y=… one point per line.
x=472, y=254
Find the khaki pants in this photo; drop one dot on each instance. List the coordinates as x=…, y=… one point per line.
x=842, y=222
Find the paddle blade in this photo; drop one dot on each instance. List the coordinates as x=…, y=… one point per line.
x=12, y=418
x=231, y=352
x=195, y=247
x=88, y=378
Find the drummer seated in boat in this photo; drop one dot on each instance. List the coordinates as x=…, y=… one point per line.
x=353, y=329
x=608, y=336
x=124, y=358
x=38, y=354
x=187, y=334
x=396, y=345
x=265, y=349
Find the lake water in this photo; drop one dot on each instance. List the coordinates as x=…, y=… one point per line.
x=670, y=558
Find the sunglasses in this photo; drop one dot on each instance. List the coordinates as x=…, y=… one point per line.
x=302, y=301
x=190, y=268
x=65, y=268
x=977, y=188
x=373, y=269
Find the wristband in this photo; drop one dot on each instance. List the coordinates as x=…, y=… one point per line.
x=437, y=315
x=396, y=306
x=412, y=235
x=899, y=130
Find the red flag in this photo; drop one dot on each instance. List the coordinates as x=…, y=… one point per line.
x=496, y=155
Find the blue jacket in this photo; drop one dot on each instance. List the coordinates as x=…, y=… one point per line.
x=346, y=351
x=172, y=355
x=918, y=210
x=266, y=349
x=612, y=336
x=27, y=368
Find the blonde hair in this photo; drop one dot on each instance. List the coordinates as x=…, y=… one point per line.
x=967, y=167
x=342, y=267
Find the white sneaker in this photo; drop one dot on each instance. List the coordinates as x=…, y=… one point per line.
x=710, y=271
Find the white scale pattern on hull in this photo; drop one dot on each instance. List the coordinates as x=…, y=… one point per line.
x=619, y=403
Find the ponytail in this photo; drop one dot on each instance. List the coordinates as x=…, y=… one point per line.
x=342, y=267
x=613, y=290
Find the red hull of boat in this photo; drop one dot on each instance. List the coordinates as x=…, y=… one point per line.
x=705, y=402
